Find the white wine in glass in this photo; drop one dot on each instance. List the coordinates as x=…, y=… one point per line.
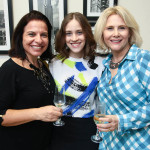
x=99, y=112
x=96, y=118
x=59, y=101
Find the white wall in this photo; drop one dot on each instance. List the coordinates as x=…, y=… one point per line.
x=75, y=6
x=138, y=8
x=3, y=58
x=20, y=8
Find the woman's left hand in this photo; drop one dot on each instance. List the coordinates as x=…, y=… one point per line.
x=111, y=125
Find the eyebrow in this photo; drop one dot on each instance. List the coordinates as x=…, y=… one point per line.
x=113, y=25
x=76, y=30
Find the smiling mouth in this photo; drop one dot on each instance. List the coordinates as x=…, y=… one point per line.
x=75, y=44
x=36, y=47
x=116, y=41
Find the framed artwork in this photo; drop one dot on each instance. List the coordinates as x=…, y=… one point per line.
x=6, y=25
x=93, y=8
x=55, y=10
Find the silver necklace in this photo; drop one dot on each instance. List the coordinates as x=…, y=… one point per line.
x=113, y=65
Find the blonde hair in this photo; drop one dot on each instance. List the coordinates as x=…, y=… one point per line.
x=129, y=20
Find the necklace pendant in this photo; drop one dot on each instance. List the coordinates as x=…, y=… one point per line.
x=113, y=65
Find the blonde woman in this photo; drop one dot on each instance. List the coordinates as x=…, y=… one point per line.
x=125, y=83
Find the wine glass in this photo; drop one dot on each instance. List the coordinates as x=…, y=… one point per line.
x=99, y=112
x=59, y=101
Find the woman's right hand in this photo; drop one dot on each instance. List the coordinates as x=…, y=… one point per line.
x=111, y=125
x=48, y=113
x=14, y=117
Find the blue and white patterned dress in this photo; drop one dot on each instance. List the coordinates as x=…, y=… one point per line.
x=128, y=97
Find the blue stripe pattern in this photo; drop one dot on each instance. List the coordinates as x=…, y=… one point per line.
x=80, y=66
x=82, y=98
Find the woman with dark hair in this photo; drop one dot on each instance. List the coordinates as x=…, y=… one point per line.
x=78, y=69
x=26, y=87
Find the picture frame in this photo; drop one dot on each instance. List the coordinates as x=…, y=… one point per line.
x=55, y=10
x=60, y=12
x=93, y=8
x=6, y=25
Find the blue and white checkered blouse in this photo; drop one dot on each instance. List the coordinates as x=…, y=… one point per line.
x=128, y=96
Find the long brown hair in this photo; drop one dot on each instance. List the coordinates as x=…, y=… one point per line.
x=60, y=42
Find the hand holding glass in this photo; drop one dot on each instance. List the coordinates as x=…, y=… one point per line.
x=98, y=113
x=59, y=101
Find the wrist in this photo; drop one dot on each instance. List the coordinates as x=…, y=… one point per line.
x=34, y=114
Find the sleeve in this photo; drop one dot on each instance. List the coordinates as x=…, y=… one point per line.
x=51, y=65
x=99, y=61
x=7, y=89
x=141, y=117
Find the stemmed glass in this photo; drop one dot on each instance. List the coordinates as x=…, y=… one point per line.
x=59, y=101
x=99, y=112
